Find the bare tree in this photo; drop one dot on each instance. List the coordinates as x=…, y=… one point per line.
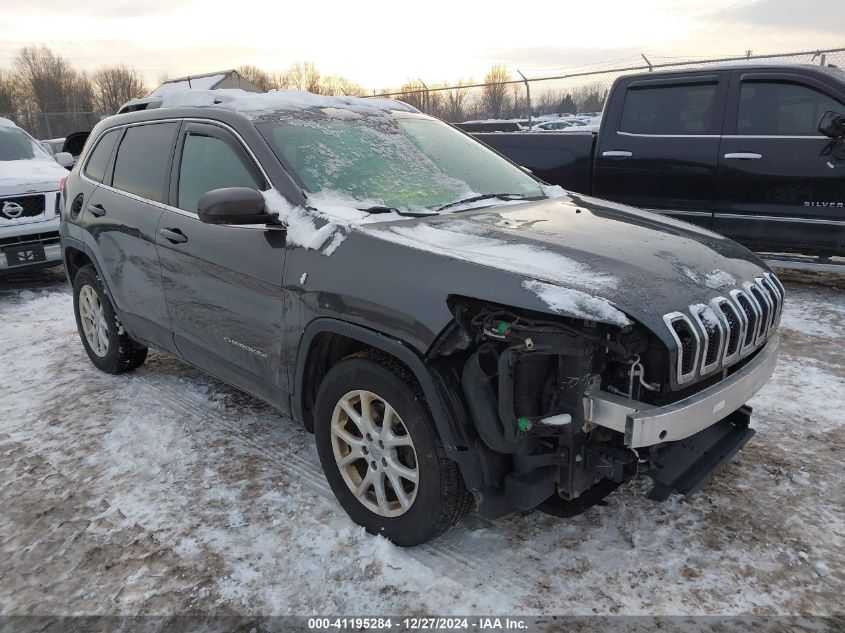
x=48, y=85
x=336, y=85
x=7, y=91
x=260, y=78
x=115, y=85
x=495, y=93
x=303, y=76
x=456, y=100
x=44, y=78
x=413, y=93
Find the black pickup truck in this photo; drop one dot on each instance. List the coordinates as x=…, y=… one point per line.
x=752, y=151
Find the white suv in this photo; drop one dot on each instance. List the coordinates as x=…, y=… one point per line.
x=30, y=182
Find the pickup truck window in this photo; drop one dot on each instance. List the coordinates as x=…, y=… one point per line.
x=209, y=163
x=399, y=160
x=782, y=109
x=141, y=165
x=670, y=109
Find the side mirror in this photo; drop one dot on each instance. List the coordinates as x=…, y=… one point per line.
x=832, y=125
x=233, y=205
x=64, y=159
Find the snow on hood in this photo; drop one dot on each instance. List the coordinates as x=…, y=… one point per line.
x=35, y=174
x=577, y=304
x=252, y=104
x=554, y=278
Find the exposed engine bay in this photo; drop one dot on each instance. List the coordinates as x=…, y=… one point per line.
x=527, y=379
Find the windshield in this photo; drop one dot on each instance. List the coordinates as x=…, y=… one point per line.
x=15, y=144
x=396, y=159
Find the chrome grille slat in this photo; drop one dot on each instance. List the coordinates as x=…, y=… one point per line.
x=711, y=337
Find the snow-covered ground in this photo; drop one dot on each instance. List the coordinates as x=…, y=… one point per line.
x=165, y=491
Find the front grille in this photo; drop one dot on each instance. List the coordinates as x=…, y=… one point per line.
x=51, y=237
x=33, y=206
x=726, y=330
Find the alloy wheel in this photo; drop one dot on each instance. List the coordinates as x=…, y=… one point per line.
x=374, y=453
x=93, y=319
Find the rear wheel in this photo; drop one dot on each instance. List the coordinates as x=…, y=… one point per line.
x=107, y=344
x=381, y=453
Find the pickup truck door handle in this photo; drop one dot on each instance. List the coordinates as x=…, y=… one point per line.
x=617, y=153
x=97, y=209
x=174, y=236
x=744, y=155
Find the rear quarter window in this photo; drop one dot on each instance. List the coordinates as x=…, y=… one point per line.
x=95, y=166
x=143, y=160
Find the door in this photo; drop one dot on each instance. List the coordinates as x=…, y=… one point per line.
x=223, y=283
x=784, y=187
x=122, y=216
x=659, y=148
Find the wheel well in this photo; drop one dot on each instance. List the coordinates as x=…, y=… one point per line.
x=74, y=260
x=326, y=350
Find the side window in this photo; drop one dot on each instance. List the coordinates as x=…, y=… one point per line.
x=781, y=109
x=95, y=167
x=142, y=162
x=209, y=162
x=671, y=109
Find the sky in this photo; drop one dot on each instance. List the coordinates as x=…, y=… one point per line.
x=382, y=44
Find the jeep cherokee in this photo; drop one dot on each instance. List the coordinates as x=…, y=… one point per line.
x=454, y=331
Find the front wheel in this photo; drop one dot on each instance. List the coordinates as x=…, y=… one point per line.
x=108, y=346
x=381, y=453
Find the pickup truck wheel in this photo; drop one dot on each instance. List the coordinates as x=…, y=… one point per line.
x=381, y=453
x=107, y=344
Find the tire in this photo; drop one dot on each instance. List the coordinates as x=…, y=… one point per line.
x=437, y=501
x=113, y=352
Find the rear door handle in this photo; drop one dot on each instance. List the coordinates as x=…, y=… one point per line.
x=97, y=209
x=617, y=153
x=174, y=236
x=744, y=155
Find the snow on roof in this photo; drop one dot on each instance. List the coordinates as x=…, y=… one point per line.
x=4, y=122
x=252, y=104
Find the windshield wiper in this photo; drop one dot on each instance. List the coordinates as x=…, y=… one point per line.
x=410, y=214
x=486, y=196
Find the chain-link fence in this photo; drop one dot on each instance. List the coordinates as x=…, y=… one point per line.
x=518, y=100
x=524, y=100
x=48, y=125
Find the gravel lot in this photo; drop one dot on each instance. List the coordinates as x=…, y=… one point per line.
x=165, y=491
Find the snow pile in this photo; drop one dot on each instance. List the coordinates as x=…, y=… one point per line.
x=301, y=224
x=577, y=304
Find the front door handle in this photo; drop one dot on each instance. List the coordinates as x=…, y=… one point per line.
x=175, y=236
x=744, y=155
x=97, y=209
x=617, y=153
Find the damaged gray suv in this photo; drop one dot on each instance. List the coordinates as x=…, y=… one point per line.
x=455, y=332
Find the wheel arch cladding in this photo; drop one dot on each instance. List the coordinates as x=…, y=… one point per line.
x=359, y=338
